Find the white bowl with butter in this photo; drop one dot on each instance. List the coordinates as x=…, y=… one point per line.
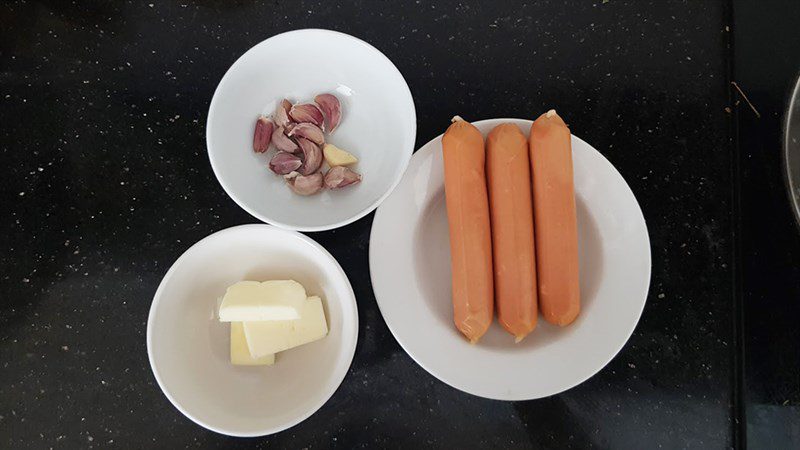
x=190, y=349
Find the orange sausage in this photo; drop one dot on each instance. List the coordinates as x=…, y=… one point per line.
x=509, y=174
x=470, y=232
x=554, y=219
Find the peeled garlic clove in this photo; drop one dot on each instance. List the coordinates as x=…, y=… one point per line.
x=335, y=156
x=307, y=112
x=340, y=176
x=263, y=134
x=283, y=163
x=305, y=185
x=312, y=156
x=282, y=142
x=281, y=116
x=309, y=131
x=331, y=108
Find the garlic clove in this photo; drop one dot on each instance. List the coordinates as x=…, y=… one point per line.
x=282, y=142
x=307, y=112
x=312, y=156
x=263, y=134
x=340, y=176
x=283, y=163
x=305, y=185
x=309, y=131
x=331, y=109
x=281, y=116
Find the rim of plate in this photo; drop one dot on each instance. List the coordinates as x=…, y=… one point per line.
x=342, y=367
x=372, y=206
x=613, y=170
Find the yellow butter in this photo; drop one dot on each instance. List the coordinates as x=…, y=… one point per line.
x=270, y=300
x=265, y=338
x=240, y=353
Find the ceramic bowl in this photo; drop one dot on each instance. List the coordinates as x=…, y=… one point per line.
x=189, y=348
x=378, y=125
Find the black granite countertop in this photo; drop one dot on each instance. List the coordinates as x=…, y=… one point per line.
x=105, y=182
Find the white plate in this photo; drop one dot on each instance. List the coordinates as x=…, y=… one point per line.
x=189, y=348
x=410, y=269
x=378, y=125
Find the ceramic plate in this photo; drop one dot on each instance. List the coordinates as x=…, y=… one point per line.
x=410, y=269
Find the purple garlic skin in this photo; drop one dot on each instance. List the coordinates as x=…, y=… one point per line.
x=282, y=142
x=305, y=185
x=281, y=116
x=331, y=109
x=307, y=113
x=340, y=176
x=283, y=163
x=263, y=134
x=312, y=156
x=309, y=131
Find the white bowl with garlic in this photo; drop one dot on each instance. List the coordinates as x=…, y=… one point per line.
x=311, y=129
x=252, y=330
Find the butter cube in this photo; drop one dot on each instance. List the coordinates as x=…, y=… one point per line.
x=335, y=156
x=240, y=353
x=270, y=300
x=264, y=338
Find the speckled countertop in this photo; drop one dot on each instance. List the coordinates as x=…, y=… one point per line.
x=105, y=182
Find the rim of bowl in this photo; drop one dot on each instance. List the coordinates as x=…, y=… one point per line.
x=349, y=308
x=371, y=207
x=791, y=178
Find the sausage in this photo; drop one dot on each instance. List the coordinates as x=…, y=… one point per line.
x=554, y=219
x=509, y=179
x=470, y=232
